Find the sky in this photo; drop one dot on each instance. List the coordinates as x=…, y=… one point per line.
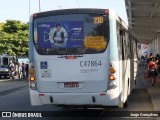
x=19, y=9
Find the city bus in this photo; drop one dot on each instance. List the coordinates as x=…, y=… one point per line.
x=81, y=57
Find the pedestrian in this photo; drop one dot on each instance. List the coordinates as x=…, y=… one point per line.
x=157, y=57
x=12, y=70
x=158, y=71
x=151, y=69
x=16, y=69
x=146, y=60
x=23, y=71
x=142, y=59
x=26, y=69
x=19, y=71
x=156, y=63
x=151, y=55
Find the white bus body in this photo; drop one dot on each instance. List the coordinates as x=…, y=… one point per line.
x=92, y=74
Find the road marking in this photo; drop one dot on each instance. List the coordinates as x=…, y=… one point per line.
x=5, y=80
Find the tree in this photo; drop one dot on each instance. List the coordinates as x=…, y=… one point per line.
x=1, y=26
x=25, y=26
x=14, y=38
x=12, y=26
x=5, y=43
x=21, y=43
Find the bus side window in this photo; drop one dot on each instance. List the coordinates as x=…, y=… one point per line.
x=122, y=34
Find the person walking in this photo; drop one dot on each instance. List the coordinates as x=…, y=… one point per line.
x=151, y=55
x=12, y=71
x=23, y=71
x=158, y=71
x=26, y=69
x=151, y=69
x=19, y=71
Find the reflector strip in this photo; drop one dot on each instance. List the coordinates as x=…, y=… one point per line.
x=102, y=94
x=41, y=94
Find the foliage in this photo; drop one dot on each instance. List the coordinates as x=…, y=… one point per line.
x=14, y=38
x=13, y=26
x=1, y=26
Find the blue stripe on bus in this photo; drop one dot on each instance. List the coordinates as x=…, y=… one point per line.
x=113, y=41
x=31, y=45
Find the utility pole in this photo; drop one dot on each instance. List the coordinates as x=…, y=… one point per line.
x=29, y=8
x=39, y=6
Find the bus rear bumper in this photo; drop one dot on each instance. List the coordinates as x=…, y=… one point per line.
x=89, y=99
x=34, y=97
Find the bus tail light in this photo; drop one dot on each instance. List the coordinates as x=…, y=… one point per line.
x=106, y=11
x=32, y=78
x=111, y=65
x=112, y=70
x=31, y=71
x=34, y=15
x=112, y=77
x=33, y=85
x=112, y=84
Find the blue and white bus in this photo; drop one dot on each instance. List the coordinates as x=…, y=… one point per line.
x=81, y=57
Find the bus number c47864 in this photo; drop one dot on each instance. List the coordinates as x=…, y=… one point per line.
x=90, y=63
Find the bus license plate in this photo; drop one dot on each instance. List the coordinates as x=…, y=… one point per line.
x=71, y=84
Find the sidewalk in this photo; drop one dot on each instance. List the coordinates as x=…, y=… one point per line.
x=153, y=91
x=8, y=86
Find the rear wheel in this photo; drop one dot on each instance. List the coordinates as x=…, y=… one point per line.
x=125, y=105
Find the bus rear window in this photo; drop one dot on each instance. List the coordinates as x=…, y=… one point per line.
x=71, y=34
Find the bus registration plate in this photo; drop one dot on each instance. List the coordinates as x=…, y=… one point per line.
x=71, y=84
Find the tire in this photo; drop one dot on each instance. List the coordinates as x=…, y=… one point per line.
x=125, y=105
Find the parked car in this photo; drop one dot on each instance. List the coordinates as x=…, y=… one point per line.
x=4, y=71
x=4, y=62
